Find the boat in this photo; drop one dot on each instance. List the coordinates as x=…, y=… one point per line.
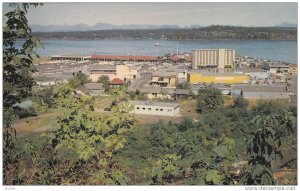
x=156, y=44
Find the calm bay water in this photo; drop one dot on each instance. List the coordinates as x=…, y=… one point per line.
x=273, y=50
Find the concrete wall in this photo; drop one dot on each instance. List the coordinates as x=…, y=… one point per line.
x=155, y=110
x=196, y=78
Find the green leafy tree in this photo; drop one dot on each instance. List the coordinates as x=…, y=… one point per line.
x=209, y=99
x=105, y=81
x=264, y=147
x=166, y=169
x=17, y=80
x=94, y=140
x=79, y=79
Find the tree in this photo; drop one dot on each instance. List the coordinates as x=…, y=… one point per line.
x=79, y=79
x=94, y=140
x=208, y=99
x=105, y=81
x=166, y=169
x=240, y=102
x=17, y=80
x=263, y=147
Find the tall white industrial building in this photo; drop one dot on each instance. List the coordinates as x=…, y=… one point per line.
x=219, y=59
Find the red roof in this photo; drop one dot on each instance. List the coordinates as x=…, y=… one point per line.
x=126, y=58
x=116, y=81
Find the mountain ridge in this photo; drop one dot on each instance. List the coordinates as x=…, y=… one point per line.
x=108, y=26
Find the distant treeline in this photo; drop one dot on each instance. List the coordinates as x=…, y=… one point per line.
x=214, y=32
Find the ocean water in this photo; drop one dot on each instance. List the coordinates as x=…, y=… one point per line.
x=273, y=50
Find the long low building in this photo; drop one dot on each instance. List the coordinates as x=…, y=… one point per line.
x=124, y=58
x=260, y=91
x=155, y=108
x=210, y=77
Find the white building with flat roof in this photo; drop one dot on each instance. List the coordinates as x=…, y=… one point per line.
x=213, y=58
x=155, y=108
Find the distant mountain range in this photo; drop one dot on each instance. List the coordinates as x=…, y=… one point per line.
x=107, y=26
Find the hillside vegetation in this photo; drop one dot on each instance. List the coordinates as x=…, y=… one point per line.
x=214, y=32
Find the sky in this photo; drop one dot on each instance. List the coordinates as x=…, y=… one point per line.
x=182, y=14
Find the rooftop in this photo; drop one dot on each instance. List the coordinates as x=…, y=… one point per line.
x=160, y=104
x=93, y=86
x=116, y=81
x=125, y=58
x=164, y=73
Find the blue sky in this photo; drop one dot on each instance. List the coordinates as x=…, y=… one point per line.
x=182, y=14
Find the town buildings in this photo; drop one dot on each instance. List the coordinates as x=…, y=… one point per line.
x=220, y=60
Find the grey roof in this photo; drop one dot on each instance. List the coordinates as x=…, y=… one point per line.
x=103, y=67
x=160, y=104
x=164, y=73
x=278, y=65
x=182, y=92
x=249, y=70
x=266, y=95
x=93, y=86
x=260, y=88
x=48, y=68
x=53, y=77
x=83, y=89
x=153, y=90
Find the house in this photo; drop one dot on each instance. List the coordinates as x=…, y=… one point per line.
x=116, y=82
x=155, y=108
x=97, y=70
x=158, y=92
x=181, y=94
x=127, y=73
x=163, y=79
x=293, y=69
x=279, y=68
x=93, y=89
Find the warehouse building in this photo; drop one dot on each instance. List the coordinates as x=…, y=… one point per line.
x=218, y=59
x=155, y=108
x=260, y=91
x=195, y=77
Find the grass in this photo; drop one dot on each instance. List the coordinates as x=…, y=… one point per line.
x=33, y=125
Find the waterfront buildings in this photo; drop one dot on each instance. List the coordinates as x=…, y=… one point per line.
x=220, y=60
x=155, y=108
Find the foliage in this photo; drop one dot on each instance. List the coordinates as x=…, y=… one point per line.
x=165, y=170
x=213, y=32
x=17, y=81
x=263, y=147
x=94, y=140
x=78, y=79
x=209, y=99
x=240, y=102
x=105, y=81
